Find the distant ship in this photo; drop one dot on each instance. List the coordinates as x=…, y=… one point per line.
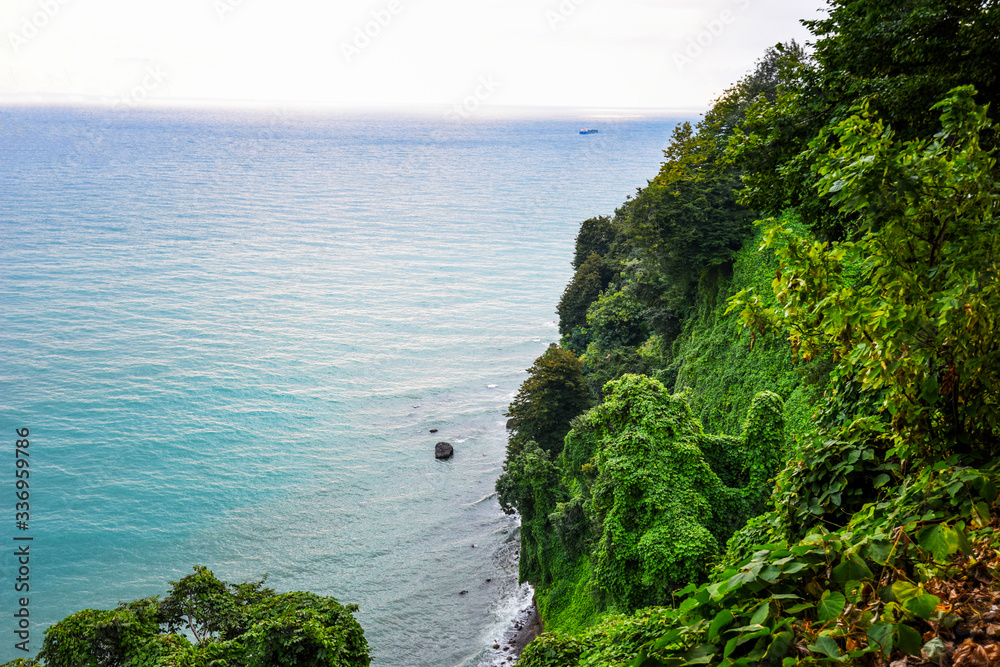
x=586, y=131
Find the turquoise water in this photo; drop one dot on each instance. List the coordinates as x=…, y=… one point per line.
x=230, y=334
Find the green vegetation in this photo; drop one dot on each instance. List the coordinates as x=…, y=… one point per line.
x=233, y=625
x=553, y=394
x=845, y=350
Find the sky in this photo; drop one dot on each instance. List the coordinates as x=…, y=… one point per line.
x=449, y=54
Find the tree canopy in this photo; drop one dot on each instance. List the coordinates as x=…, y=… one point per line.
x=553, y=394
x=233, y=625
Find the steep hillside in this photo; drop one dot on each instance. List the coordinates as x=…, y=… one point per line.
x=793, y=454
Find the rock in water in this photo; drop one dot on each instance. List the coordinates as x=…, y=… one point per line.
x=443, y=450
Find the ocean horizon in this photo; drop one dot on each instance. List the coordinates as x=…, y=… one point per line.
x=231, y=333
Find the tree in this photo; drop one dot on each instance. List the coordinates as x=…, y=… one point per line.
x=104, y=638
x=234, y=625
x=901, y=57
x=590, y=279
x=209, y=607
x=688, y=221
x=529, y=485
x=687, y=218
x=553, y=394
x=597, y=236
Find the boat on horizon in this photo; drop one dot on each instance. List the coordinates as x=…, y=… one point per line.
x=588, y=131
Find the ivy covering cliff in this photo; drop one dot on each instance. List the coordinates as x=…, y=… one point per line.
x=787, y=351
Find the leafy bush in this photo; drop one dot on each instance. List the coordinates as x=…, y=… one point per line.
x=553, y=649
x=857, y=595
x=918, y=326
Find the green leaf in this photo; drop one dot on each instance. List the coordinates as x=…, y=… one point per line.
x=744, y=577
x=756, y=627
x=851, y=568
x=935, y=539
x=721, y=620
x=880, y=634
x=786, y=596
x=794, y=567
x=826, y=645
x=923, y=606
x=761, y=614
x=690, y=588
x=643, y=661
x=904, y=590
x=908, y=639
x=830, y=606
x=668, y=638
x=689, y=604
x=779, y=646
x=963, y=542
x=702, y=655
x=730, y=647
x=981, y=513
x=879, y=551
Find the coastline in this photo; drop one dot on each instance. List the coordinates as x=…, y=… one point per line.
x=525, y=626
x=524, y=622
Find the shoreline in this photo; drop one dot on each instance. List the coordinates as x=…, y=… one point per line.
x=525, y=626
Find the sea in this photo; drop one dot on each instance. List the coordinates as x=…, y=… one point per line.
x=231, y=335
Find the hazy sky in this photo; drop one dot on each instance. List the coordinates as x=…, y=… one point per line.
x=664, y=54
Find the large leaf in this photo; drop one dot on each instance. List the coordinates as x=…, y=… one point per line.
x=779, y=646
x=940, y=540
x=826, y=645
x=701, y=655
x=904, y=591
x=830, y=606
x=721, y=620
x=881, y=635
x=923, y=606
x=908, y=639
x=851, y=568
